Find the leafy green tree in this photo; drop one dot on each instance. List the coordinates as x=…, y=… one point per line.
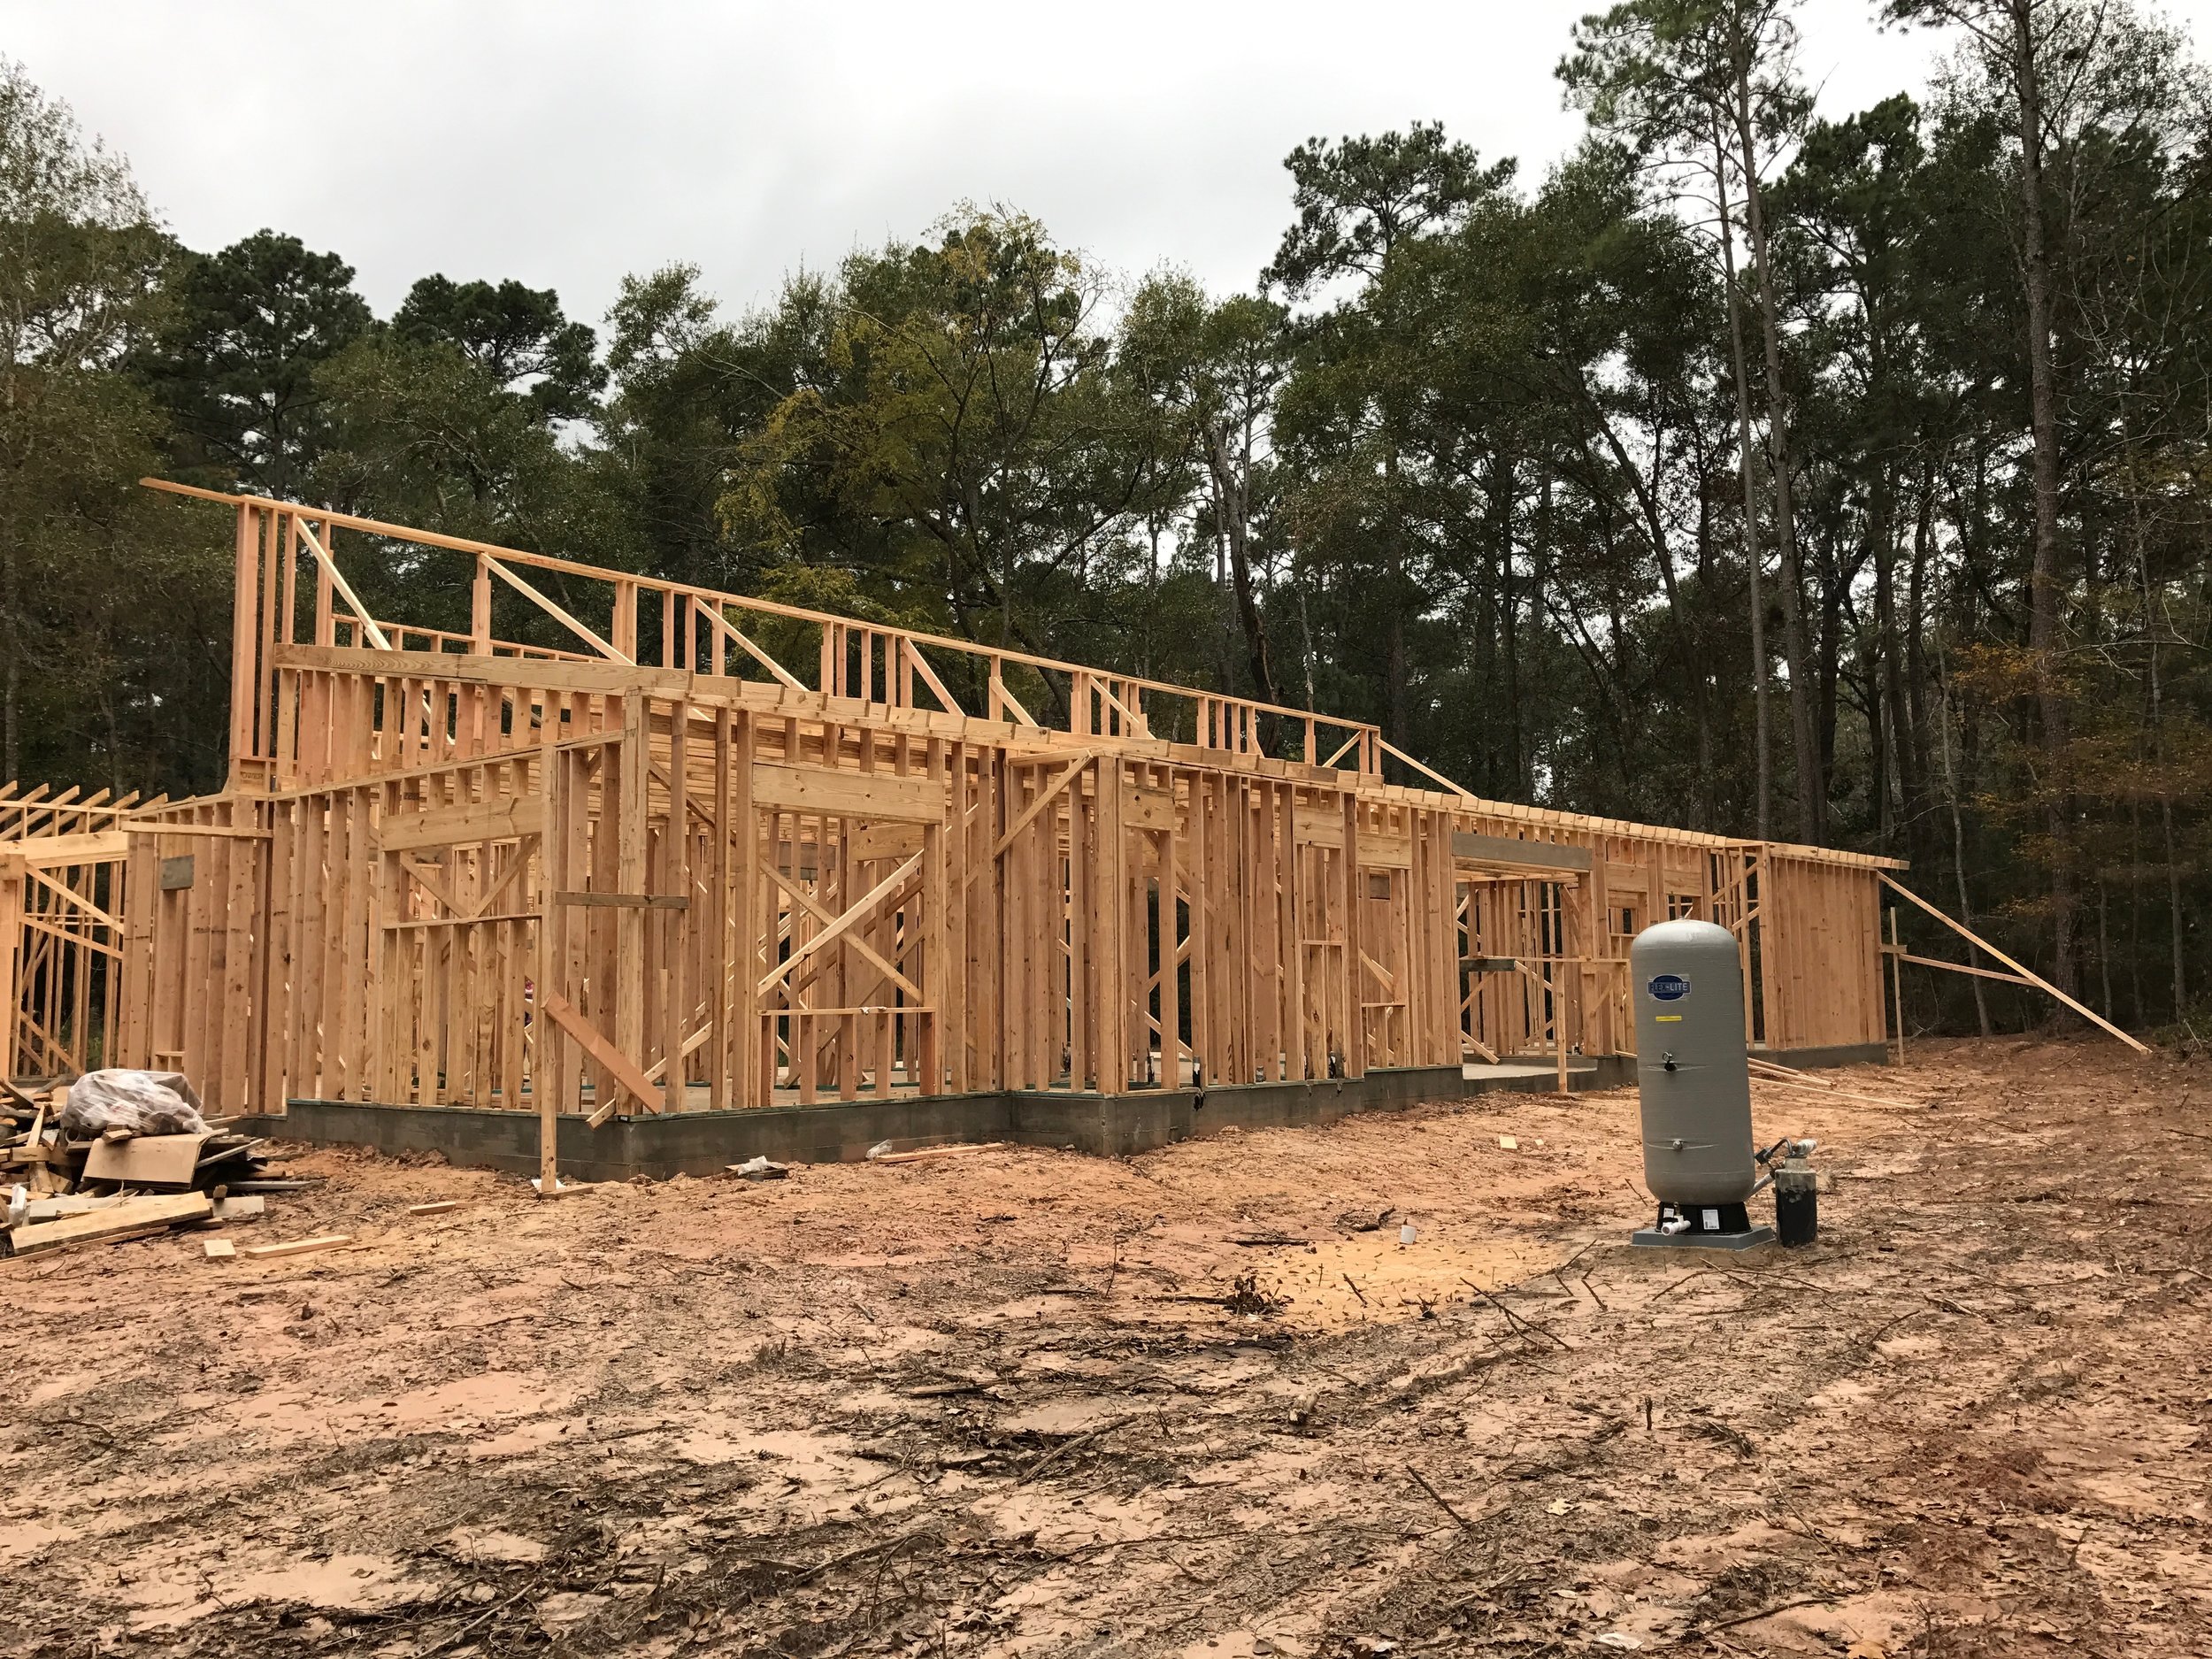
x=234, y=364
x=1365, y=208
x=2074, y=86
x=515, y=334
x=687, y=390
x=1211, y=370
x=1708, y=88
x=1855, y=208
x=962, y=436
x=454, y=417
x=99, y=590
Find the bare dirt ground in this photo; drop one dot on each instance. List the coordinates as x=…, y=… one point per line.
x=1013, y=1403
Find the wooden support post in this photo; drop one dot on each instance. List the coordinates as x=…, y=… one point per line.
x=629, y=964
x=949, y=986
x=722, y=885
x=1171, y=951
x=1297, y=1055
x=1198, y=878
x=280, y=528
x=1897, y=982
x=1076, y=958
x=548, y=1042
x=1773, y=1027
x=480, y=608
x=1350, y=973
x=271, y=971
x=325, y=613
x=623, y=629
x=671, y=925
x=925, y=1057
x=245, y=628
x=12, y=878
x=1108, y=984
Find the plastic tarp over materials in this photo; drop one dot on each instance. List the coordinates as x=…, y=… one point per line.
x=138, y=1102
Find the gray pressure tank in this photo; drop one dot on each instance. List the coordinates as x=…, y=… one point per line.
x=1691, y=1068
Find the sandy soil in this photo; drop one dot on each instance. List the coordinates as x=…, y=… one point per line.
x=1028, y=1402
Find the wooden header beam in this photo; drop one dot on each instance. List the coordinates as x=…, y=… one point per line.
x=1541, y=858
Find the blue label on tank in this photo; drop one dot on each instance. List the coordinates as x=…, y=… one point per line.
x=1668, y=987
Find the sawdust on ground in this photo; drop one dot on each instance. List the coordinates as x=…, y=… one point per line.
x=1194, y=1402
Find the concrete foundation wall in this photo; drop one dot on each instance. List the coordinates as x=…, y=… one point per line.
x=1815, y=1059
x=1112, y=1126
x=701, y=1143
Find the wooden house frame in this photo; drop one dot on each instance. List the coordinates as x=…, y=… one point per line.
x=663, y=867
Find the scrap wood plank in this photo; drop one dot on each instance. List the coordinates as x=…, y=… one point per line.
x=1775, y=1068
x=145, y=1160
x=226, y=1153
x=1834, y=1092
x=133, y=1215
x=923, y=1154
x=299, y=1247
x=438, y=1208
x=76, y=1204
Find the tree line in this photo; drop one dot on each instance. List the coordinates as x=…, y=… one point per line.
x=1839, y=476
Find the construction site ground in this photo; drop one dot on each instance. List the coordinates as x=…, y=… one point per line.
x=1017, y=1401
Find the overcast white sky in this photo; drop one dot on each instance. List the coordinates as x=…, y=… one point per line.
x=565, y=145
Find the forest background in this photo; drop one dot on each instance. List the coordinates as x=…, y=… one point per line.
x=1775, y=471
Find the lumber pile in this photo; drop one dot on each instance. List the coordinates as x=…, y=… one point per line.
x=128, y=1219
x=32, y=1151
x=57, y=1189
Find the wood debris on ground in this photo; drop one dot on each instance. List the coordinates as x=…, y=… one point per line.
x=883, y=1151
x=61, y=1188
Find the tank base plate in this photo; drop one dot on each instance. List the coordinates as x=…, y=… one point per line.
x=1651, y=1238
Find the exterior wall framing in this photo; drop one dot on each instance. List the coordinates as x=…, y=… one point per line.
x=453, y=871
